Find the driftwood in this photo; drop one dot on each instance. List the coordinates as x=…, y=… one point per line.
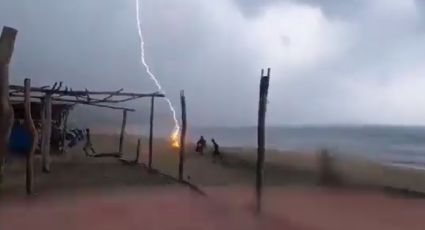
x=122, y=134
x=29, y=124
x=7, y=43
x=46, y=132
x=262, y=107
x=182, y=136
x=151, y=132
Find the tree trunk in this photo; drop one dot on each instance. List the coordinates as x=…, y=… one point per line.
x=7, y=43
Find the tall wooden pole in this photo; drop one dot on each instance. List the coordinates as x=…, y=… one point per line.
x=137, y=151
x=46, y=132
x=123, y=125
x=262, y=107
x=182, y=136
x=7, y=44
x=29, y=124
x=151, y=132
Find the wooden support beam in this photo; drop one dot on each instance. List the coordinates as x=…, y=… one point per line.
x=7, y=44
x=78, y=102
x=138, y=151
x=123, y=125
x=29, y=125
x=64, y=129
x=262, y=107
x=46, y=131
x=182, y=136
x=151, y=132
x=87, y=92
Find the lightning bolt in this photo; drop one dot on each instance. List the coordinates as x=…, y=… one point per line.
x=152, y=76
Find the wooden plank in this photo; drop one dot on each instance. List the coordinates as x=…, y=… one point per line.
x=262, y=107
x=29, y=124
x=151, y=132
x=7, y=44
x=123, y=125
x=182, y=136
x=46, y=132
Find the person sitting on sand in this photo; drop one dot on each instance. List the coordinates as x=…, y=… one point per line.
x=216, y=152
x=200, y=145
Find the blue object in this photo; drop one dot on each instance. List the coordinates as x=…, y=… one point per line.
x=19, y=140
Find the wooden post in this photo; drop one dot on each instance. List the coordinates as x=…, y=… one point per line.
x=29, y=124
x=7, y=44
x=137, y=151
x=123, y=125
x=262, y=107
x=151, y=132
x=46, y=132
x=182, y=136
x=64, y=128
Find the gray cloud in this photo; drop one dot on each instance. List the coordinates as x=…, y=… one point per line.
x=252, y=8
x=333, y=61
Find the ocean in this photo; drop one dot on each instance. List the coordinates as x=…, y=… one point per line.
x=392, y=144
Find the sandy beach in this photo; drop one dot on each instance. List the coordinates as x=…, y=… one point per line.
x=128, y=195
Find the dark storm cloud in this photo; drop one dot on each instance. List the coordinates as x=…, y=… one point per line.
x=333, y=61
x=385, y=46
x=95, y=45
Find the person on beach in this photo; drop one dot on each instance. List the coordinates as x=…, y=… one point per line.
x=216, y=151
x=200, y=145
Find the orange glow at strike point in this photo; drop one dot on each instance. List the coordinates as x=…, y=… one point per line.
x=175, y=139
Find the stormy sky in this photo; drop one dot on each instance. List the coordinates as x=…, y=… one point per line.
x=333, y=61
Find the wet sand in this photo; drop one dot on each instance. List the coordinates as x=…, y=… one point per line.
x=88, y=193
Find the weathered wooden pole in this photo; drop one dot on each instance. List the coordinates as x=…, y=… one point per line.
x=182, y=136
x=123, y=125
x=7, y=44
x=29, y=125
x=46, y=131
x=138, y=151
x=262, y=107
x=151, y=132
x=64, y=128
